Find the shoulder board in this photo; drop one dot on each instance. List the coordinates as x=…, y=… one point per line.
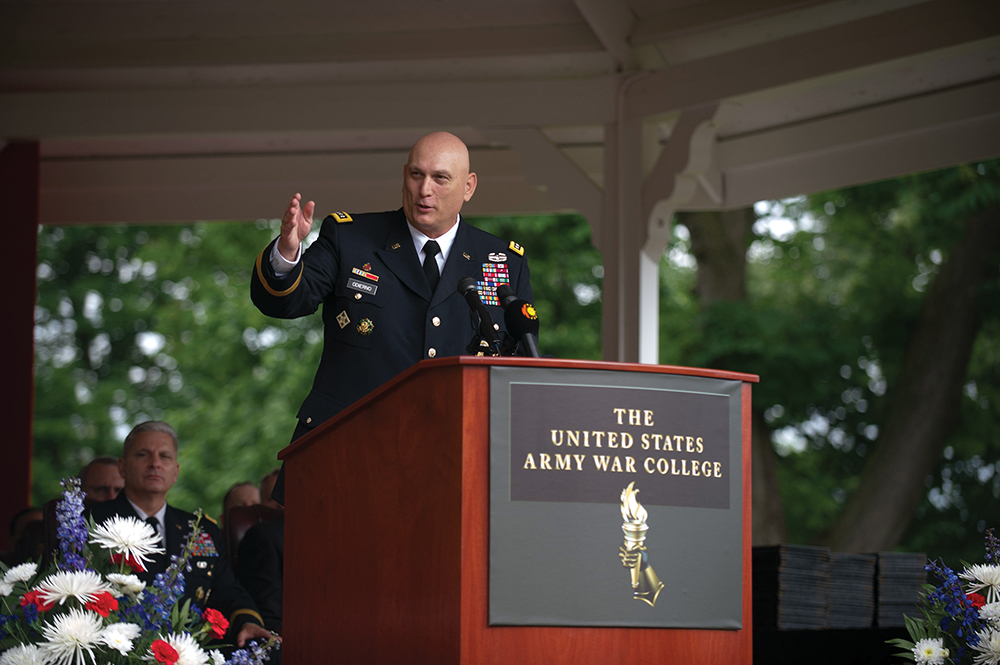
x=514, y=247
x=207, y=517
x=341, y=217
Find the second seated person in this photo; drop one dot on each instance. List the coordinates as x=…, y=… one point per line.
x=388, y=280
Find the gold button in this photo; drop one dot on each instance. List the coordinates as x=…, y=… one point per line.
x=308, y=420
x=436, y=321
x=357, y=296
x=431, y=352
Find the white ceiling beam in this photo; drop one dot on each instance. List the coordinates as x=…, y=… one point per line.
x=171, y=189
x=611, y=21
x=306, y=108
x=867, y=124
x=155, y=32
x=848, y=165
x=936, y=24
x=545, y=166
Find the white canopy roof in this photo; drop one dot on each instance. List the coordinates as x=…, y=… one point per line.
x=623, y=110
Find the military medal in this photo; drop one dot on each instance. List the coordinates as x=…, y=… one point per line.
x=364, y=273
x=494, y=274
x=204, y=546
x=366, y=327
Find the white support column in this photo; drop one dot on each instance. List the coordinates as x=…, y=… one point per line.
x=621, y=242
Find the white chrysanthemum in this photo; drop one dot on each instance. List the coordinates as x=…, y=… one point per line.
x=22, y=654
x=188, y=650
x=82, y=585
x=990, y=612
x=983, y=578
x=6, y=588
x=119, y=636
x=125, y=584
x=988, y=648
x=930, y=651
x=71, y=637
x=217, y=657
x=21, y=573
x=128, y=536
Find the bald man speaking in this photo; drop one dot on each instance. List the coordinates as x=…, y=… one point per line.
x=388, y=280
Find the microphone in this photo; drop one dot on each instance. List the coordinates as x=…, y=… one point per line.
x=467, y=287
x=520, y=318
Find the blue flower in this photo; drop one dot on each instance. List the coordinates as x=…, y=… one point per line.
x=72, y=528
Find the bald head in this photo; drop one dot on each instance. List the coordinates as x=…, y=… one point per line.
x=436, y=182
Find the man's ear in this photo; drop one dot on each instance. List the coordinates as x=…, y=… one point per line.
x=470, y=186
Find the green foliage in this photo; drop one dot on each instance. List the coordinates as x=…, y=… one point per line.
x=134, y=323
x=833, y=301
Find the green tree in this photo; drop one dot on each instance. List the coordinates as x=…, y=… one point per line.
x=137, y=322
x=868, y=295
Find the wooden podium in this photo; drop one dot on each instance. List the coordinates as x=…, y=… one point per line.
x=387, y=530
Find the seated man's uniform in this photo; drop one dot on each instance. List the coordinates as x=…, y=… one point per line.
x=211, y=582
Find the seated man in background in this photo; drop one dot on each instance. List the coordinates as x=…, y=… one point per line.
x=149, y=466
x=262, y=558
x=240, y=494
x=101, y=480
x=266, y=485
x=27, y=537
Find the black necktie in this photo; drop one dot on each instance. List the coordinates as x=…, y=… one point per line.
x=155, y=523
x=430, y=264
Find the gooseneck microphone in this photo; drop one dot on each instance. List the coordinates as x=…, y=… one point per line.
x=467, y=287
x=520, y=318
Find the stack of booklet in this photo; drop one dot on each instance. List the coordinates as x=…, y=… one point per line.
x=897, y=581
x=790, y=584
x=851, y=597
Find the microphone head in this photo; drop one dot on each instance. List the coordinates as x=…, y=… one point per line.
x=521, y=318
x=505, y=295
x=466, y=284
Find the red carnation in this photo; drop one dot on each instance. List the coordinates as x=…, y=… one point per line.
x=976, y=600
x=218, y=622
x=129, y=561
x=35, y=597
x=164, y=653
x=103, y=603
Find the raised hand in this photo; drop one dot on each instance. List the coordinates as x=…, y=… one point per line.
x=295, y=226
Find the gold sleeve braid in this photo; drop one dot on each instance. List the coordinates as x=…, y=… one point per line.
x=267, y=287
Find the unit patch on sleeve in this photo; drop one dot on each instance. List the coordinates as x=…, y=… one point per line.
x=494, y=274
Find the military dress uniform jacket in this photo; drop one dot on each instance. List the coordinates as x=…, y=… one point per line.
x=379, y=314
x=210, y=582
x=262, y=560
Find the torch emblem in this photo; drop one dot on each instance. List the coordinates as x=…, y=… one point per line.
x=646, y=586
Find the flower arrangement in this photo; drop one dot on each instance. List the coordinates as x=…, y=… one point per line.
x=90, y=606
x=959, y=625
